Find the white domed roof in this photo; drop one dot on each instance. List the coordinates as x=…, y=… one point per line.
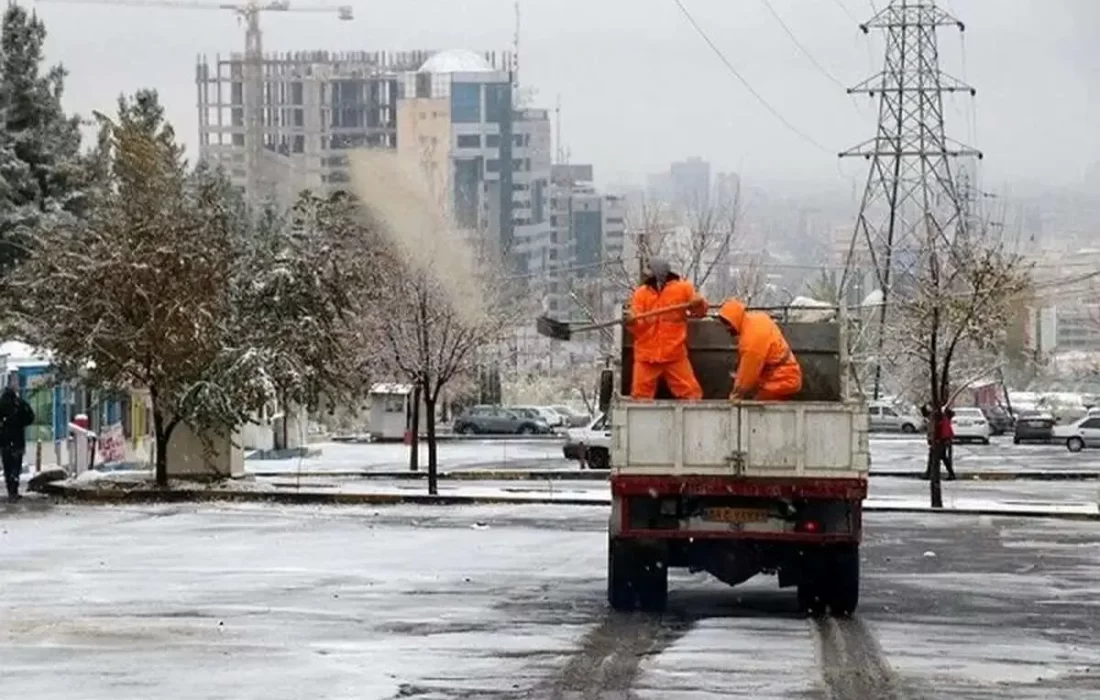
x=455, y=61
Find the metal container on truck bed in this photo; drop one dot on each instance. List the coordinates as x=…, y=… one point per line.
x=740, y=488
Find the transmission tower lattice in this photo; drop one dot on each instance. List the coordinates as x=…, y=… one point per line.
x=910, y=192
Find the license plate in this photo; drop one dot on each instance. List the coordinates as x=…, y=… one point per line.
x=735, y=515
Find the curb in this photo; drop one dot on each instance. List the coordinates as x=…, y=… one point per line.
x=1029, y=475
x=450, y=437
x=603, y=474
x=463, y=475
x=134, y=496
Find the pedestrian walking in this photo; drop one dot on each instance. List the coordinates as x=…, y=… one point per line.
x=16, y=416
x=941, y=440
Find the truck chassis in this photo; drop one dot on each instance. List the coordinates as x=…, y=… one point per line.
x=806, y=532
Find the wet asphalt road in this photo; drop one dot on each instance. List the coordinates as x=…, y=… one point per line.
x=508, y=602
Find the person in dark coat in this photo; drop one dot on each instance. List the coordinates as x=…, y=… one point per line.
x=15, y=416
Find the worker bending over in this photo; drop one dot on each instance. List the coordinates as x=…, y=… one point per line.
x=766, y=368
x=660, y=342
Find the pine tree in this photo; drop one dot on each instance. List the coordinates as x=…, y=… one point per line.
x=41, y=171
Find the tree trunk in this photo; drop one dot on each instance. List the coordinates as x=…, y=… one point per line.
x=286, y=424
x=433, y=462
x=935, y=463
x=414, y=431
x=160, y=438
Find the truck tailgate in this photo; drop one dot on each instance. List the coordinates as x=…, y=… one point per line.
x=748, y=439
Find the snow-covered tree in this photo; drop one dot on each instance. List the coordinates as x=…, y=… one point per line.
x=433, y=339
x=41, y=171
x=309, y=272
x=164, y=285
x=950, y=317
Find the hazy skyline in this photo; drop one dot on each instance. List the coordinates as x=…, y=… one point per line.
x=640, y=89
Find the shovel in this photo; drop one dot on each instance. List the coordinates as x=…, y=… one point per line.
x=562, y=330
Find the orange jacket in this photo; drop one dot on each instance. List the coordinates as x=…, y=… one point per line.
x=762, y=351
x=663, y=338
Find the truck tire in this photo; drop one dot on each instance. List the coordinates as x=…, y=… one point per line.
x=843, y=584
x=599, y=458
x=830, y=581
x=637, y=577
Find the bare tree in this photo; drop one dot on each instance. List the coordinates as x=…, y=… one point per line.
x=951, y=317
x=433, y=343
x=699, y=244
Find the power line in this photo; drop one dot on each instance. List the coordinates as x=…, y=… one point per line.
x=801, y=47
x=759, y=98
x=848, y=12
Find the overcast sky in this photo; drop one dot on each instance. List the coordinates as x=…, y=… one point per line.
x=638, y=86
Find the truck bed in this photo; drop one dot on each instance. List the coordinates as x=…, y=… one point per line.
x=750, y=439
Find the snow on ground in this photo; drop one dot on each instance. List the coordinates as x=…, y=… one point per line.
x=1021, y=597
x=336, y=456
x=217, y=603
x=909, y=454
x=251, y=601
x=888, y=453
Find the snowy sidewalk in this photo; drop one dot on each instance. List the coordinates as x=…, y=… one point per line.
x=135, y=487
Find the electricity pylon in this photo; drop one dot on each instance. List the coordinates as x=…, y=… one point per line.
x=910, y=192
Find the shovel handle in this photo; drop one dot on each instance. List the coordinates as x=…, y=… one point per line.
x=639, y=317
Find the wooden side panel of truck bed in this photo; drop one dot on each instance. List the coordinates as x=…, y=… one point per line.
x=720, y=438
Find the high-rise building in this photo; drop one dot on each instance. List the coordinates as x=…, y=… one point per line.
x=489, y=160
x=588, y=231
x=316, y=105
x=690, y=185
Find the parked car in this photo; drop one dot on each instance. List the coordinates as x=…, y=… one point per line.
x=1084, y=432
x=892, y=418
x=574, y=418
x=970, y=425
x=1033, y=426
x=596, y=438
x=494, y=420
x=546, y=415
x=1000, y=421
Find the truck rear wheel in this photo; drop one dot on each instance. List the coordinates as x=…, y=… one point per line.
x=843, y=595
x=830, y=581
x=637, y=576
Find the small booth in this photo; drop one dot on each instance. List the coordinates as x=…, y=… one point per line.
x=390, y=411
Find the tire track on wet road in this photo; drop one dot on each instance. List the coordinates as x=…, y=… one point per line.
x=853, y=665
x=609, y=659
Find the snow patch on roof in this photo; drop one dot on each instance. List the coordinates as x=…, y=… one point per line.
x=18, y=354
x=387, y=388
x=456, y=61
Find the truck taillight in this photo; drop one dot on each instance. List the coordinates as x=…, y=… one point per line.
x=808, y=526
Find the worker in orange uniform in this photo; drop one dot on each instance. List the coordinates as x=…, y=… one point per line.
x=766, y=368
x=660, y=342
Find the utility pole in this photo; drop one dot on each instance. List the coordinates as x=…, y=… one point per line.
x=910, y=189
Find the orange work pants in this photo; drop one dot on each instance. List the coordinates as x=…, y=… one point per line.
x=678, y=375
x=781, y=384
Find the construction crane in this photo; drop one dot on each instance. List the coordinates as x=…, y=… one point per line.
x=248, y=13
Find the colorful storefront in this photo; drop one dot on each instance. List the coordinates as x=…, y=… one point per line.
x=55, y=404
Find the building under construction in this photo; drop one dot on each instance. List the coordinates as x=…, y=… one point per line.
x=290, y=130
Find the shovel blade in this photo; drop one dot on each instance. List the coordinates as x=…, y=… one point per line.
x=551, y=328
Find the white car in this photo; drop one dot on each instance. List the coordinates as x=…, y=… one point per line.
x=573, y=417
x=1079, y=434
x=595, y=439
x=970, y=425
x=550, y=417
x=889, y=417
